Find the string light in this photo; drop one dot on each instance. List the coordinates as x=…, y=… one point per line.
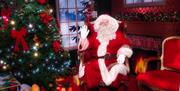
x=30, y=25
x=50, y=11
x=12, y=22
x=34, y=48
x=37, y=44
x=36, y=54
x=1, y=62
x=4, y=67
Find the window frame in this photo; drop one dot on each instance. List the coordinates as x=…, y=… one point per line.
x=141, y=4
x=77, y=23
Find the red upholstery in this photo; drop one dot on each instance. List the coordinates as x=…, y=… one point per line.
x=162, y=79
x=165, y=79
x=171, y=53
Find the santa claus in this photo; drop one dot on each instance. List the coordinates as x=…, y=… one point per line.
x=103, y=49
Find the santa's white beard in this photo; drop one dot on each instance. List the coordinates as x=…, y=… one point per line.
x=105, y=33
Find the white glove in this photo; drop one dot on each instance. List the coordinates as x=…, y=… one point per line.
x=81, y=70
x=121, y=58
x=84, y=32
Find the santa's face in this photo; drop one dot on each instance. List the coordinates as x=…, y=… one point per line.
x=105, y=24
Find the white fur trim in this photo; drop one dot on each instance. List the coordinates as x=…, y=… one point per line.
x=121, y=58
x=81, y=70
x=125, y=50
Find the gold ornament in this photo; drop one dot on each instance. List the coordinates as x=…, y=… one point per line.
x=35, y=87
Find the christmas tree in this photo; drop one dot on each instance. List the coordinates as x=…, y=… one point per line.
x=30, y=47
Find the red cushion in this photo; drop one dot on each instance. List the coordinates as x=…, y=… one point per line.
x=171, y=53
x=162, y=79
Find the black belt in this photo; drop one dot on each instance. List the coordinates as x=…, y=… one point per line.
x=107, y=56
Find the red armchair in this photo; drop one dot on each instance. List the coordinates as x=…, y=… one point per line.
x=168, y=77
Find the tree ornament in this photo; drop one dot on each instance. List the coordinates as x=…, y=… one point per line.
x=18, y=36
x=5, y=13
x=35, y=87
x=45, y=18
x=56, y=46
x=42, y=1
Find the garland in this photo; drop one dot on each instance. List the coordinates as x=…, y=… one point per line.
x=150, y=16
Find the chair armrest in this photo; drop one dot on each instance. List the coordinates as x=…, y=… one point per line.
x=148, y=62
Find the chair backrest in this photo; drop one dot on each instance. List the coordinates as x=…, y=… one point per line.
x=171, y=53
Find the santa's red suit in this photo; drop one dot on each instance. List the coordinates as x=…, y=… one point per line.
x=104, y=48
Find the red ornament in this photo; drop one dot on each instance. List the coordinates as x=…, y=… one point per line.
x=18, y=36
x=5, y=13
x=41, y=1
x=45, y=18
x=56, y=46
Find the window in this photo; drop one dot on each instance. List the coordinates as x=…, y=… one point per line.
x=143, y=2
x=71, y=17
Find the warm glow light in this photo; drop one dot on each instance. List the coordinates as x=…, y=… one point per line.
x=36, y=44
x=36, y=54
x=1, y=62
x=4, y=67
x=50, y=10
x=13, y=22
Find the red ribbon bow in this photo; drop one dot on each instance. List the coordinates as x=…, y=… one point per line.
x=18, y=35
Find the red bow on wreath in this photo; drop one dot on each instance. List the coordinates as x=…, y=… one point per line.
x=56, y=46
x=5, y=13
x=45, y=18
x=18, y=35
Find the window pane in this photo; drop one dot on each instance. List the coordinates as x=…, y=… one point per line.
x=80, y=15
x=64, y=28
x=71, y=15
x=62, y=3
x=147, y=0
x=63, y=15
x=80, y=23
x=129, y=1
x=65, y=41
x=71, y=4
x=73, y=28
x=80, y=3
x=73, y=40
